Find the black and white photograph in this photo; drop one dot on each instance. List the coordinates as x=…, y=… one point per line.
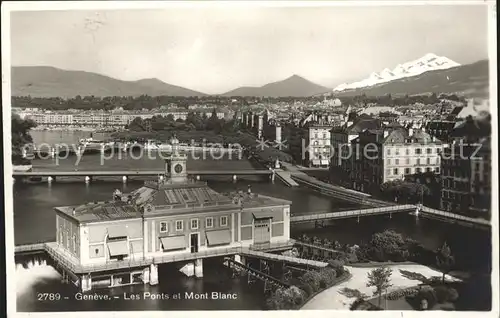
x=250, y=156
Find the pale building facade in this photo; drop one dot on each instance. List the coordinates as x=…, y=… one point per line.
x=173, y=216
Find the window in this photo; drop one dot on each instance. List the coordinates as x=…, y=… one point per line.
x=209, y=222
x=428, y=161
x=388, y=151
x=179, y=225
x=324, y=135
x=428, y=169
x=418, y=151
x=407, y=161
x=388, y=161
x=407, y=170
x=315, y=136
x=419, y=170
x=397, y=151
x=407, y=151
x=194, y=224
x=397, y=161
x=429, y=150
x=223, y=221
x=418, y=161
x=396, y=171
x=163, y=227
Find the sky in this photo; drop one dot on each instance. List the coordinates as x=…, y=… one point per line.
x=216, y=49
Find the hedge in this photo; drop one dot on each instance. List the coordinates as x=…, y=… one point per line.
x=310, y=284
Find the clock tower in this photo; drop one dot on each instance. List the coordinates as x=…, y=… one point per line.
x=175, y=164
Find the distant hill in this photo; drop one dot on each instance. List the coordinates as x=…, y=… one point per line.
x=294, y=86
x=46, y=81
x=470, y=80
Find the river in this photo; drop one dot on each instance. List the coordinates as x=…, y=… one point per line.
x=34, y=221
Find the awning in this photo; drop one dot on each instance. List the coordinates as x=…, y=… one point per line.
x=117, y=231
x=220, y=237
x=263, y=215
x=118, y=248
x=316, y=162
x=173, y=242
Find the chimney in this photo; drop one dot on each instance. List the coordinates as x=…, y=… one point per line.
x=249, y=191
x=410, y=132
x=386, y=133
x=74, y=211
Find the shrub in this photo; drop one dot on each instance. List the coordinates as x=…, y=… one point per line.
x=311, y=278
x=308, y=290
x=286, y=298
x=326, y=277
x=428, y=295
x=445, y=294
x=352, y=293
x=452, y=294
x=338, y=266
x=400, y=293
x=357, y=303
x=361, y=304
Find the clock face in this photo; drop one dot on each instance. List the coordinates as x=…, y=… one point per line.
x=178, y=168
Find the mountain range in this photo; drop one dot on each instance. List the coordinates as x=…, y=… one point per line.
x=430, y=73
x=429, y=62
x=469, y=80
x=294, y=86
x=46, y=81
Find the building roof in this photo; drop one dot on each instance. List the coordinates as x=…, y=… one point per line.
x=472, y=129
x=360, y=124
x=167, y=198
x=374, y=110
x=101, y=211
x=403, y=136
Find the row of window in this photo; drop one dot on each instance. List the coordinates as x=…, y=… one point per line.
x=61, y=240
x=325, y=136
x=194, y=224
x=407, y=171
x=418, y=161
x=418, y=151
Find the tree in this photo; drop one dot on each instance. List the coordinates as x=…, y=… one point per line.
x=379, y=278
x=444, y=259
x=137, y=124
x=20, y=137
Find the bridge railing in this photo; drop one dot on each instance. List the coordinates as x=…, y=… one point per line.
x=455, y=216
x=257, y=273
x=63, y=260
x=360, y=212
x=290, y=259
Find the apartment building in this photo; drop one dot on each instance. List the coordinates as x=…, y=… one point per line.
x=342, y=136
x=319, y=147
x=390, y=153
x=466, y=170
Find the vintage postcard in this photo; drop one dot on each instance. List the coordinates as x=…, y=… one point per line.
x=192, y=157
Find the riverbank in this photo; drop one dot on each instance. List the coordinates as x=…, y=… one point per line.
x=336, y=297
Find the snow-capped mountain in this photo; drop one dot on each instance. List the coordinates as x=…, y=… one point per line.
x=428, y=62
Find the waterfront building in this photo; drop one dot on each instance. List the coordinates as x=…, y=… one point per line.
x=390, y=153
x=341, y=138
x=318, y=143
x=175, y=216
x=441, y=129
x=466, y=170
